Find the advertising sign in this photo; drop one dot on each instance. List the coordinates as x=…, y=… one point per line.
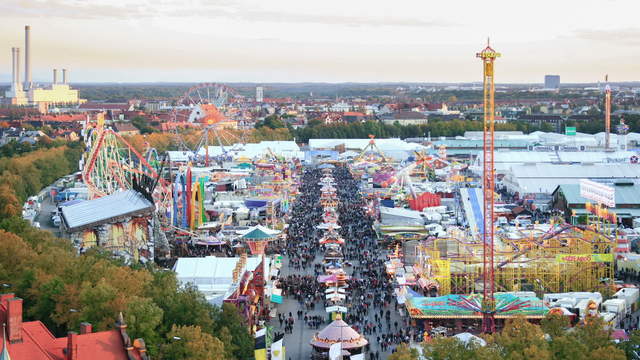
x=600, y=193
x=565, y=258
x=570, y=131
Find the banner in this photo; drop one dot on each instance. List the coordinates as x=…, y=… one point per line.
x=277, y=348
x=600, y=193
x=276, y=296
x=598, y=258
x=260, y=352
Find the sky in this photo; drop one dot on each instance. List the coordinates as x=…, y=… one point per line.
x=323, y=41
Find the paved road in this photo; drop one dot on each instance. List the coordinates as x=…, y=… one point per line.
x=297, y=343
x=44, y=216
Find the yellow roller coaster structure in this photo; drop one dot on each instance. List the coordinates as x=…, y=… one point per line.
x=545, y=259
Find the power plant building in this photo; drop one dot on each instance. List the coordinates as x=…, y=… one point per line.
x=27, y=94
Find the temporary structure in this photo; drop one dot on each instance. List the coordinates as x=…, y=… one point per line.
x=338, y=331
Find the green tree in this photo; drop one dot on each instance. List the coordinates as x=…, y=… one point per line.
x=404, y=352
x=522, y=340
x=449, y=348
x=96, y=302
x=555, y=325
x=143, y=317
x=271, y=121
x=242, y=341
x=594, y=336
x=567, y=347
x=191, y=343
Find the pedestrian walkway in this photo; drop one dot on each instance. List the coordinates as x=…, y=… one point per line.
x=372, y=308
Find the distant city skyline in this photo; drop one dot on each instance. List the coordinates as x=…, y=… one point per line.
x=331, y=41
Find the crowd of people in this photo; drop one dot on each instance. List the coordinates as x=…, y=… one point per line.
x=371, y=305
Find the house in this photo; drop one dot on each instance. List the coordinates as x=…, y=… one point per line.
x=103, y=106
x=353, y=117
x=126, y=129
x=404, y=118
x=31, y=340
x=113, y=111
x=556, y=121
x=20, y=135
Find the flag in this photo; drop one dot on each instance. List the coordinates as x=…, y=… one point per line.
x=260, y=352
x=277, y=348
x=335, y=351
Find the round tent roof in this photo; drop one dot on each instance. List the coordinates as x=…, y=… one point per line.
x=338, y=331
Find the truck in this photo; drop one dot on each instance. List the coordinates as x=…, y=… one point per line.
x=617, y=307
x=630, y=295
x=552, y=298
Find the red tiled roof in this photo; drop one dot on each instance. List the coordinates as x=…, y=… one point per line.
x=353, y=113
x=64, y=117
x=125, y=127
x=104, y=106
x=39, y=344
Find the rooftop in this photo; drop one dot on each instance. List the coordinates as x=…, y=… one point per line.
x=624, y=194
x=105, y=209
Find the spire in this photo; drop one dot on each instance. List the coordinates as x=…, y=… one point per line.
x=4, y=355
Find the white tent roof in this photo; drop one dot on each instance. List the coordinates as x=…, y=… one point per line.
x=361, y=144
x=466, y=337
x=575, y=171
x=180, y=156
x=400, y=212
x=288, y=149
x=212, y=275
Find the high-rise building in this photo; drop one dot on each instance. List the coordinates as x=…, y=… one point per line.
x=259, y=94
x=552, y=81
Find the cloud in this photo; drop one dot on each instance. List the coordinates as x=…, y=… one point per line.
x=69, y=9
x=209, y=9
x=627, y=36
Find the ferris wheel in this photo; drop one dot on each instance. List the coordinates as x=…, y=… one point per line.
x=110, y=164
x=207, y=107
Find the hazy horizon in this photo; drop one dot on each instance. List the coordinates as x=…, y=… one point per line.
x=286, y=41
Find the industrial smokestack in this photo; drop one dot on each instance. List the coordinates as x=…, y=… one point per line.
x=27, y=58
x=13, y=68
x=18, y=66
x=65, y=76
x=55, y=76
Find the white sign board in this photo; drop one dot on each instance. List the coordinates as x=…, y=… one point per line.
x=599, y=193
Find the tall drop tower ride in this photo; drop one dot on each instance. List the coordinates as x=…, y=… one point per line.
x=488, y=56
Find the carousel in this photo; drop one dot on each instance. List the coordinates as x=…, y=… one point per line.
x=331, y=236
x=338, y=331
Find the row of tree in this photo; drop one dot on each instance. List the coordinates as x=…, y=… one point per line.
x=276, y=128
x=434, y=128
x=520, y=340
x=24, y=175
x=63, y=289
x=15, y=148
